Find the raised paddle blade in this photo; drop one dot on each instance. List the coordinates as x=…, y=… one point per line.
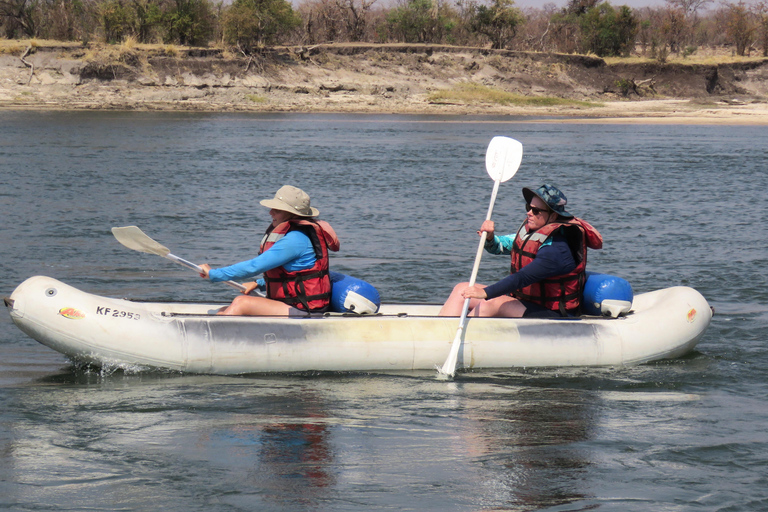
x=502, y=160
x=134, y=238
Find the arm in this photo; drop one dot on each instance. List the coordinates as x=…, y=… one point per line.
x=289, y=248
x=500, y=244
x=551, y=260
x=496, y=244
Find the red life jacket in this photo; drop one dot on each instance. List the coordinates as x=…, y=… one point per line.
x=560, y=293
x=308, y=289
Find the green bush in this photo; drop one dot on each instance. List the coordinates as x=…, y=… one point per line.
x=606, y=32
x=420, y=21
x=188, y=22
x=249, y=24
x=498, y=22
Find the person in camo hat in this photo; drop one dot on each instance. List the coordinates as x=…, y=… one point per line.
x=293, y=256
x=549, y=257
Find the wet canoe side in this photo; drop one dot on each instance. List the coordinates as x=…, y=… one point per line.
x=188, y=337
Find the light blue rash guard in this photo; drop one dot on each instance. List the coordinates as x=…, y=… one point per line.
x=294, y=252
x=503, y=244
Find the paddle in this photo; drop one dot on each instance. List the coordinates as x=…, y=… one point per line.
x=502, y=159
x=134, y=238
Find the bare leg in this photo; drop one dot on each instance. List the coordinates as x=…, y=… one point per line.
x=454, y=305
x=256, y=306
x=502, y=307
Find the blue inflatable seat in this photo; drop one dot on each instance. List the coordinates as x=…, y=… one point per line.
x=606, y=295
x=352, y=295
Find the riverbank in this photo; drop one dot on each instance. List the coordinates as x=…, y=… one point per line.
x=395, y=79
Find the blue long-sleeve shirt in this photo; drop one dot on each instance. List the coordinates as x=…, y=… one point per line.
x=553, y=258
x=293, y=251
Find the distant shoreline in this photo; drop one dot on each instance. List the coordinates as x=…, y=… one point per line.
x=382, y=79
x=659, y=112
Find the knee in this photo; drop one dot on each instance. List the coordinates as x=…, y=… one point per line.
x=236, y=307
x=459, y=288
x=240, y=299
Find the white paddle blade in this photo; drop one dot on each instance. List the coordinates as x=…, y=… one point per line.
x=502, y=160
x=134, y=238
x=449, y=366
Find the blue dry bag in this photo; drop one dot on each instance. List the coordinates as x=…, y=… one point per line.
x=606, y=295
x=352, y=295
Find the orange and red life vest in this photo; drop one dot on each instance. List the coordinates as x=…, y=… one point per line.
x=308, y=289
x=560, y=293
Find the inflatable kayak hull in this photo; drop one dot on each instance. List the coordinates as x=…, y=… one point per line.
x=186, y=337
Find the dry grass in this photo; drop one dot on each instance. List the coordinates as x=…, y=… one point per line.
x=128, y=44
x=704, y=56
x=469, y=93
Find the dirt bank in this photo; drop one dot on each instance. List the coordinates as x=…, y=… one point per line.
x=375, y=78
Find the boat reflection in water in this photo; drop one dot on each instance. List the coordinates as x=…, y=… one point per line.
x=528, y=445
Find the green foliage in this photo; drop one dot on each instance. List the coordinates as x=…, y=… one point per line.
x=249, y=24
x=116, y=20
x=606, y=32
x=148, y=16
x=473, y=93
x=181, y=21
x=188, y=22
x=625, y=85
x=499, y=22
x=420, y=21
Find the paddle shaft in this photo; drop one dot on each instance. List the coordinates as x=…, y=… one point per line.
x=134, y=238
x=199, y=270
x=449, y=367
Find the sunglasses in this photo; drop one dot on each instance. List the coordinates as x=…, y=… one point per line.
x=535, y=210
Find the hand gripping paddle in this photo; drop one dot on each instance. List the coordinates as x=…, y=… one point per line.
x=502, y=159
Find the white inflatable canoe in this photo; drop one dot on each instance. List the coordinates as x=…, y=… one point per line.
x=106, y=331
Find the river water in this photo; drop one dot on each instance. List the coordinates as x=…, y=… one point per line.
x=677, y=205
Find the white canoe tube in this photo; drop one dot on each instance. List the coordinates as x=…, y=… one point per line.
x=189, y=337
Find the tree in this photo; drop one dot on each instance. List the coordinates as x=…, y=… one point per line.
x=249, y=24
x=21, y=16
x=419, y=21
x=579, y=7
x=116, y=20
x=148, y=16
x=689, y=19
x=565, y=25
x=606, y=32
x=689, y=7
x=673, y=28
x=323, y=21
x=739, y=26
x=357, y=16
x=761, y=13
x=65, y=20
x=499, y=22
x=188, y=22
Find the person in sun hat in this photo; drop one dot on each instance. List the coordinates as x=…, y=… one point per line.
x=549, y=257
x=293, y=256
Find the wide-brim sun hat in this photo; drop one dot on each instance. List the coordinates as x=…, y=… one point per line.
x=551, y=196
x=293, y=200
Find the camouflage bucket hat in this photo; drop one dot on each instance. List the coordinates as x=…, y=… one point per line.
x=551, y=196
